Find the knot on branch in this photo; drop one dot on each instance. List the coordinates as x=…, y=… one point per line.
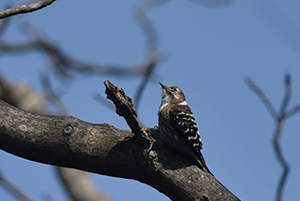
x=68, y=130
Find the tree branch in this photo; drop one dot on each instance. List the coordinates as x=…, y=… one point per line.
x=103, y=149
x=25, y=8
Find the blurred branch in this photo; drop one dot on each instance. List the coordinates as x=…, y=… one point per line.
x=281, y=159
x=6, y=92
x=274, y=15
x=3, y=25
x=279, y=120
x=76, y=182
x=53, y=96
x=214, y=3
x=64, y=63
x=152, y=43
x=13, y=189
x=292, y=111
x=146, y=24
x=22, y=96
x=146, y=78
x=25, y=8
x=104, y=101
x=287, y=95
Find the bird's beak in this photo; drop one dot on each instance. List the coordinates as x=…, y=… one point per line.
x=162, y=86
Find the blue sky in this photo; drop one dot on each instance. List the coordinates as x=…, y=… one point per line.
x=207, y=52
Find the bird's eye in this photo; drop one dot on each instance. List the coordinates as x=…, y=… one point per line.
x=174, y=89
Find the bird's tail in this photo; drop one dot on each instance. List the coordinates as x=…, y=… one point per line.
x=202, y=164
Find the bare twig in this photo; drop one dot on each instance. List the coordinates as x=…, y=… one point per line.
x=53, y=96
x=214, y=3
x=146, y=24
x=287, y=95
x=152, y=42
x=142, y=86
x=292, y=111
x=25, y=8
x=13, y=189
x=279, y=119
x=263, y=98
x=104, y=101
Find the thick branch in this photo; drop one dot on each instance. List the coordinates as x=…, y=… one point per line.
x=62, y=141
x=103, y=149
x=25, y=8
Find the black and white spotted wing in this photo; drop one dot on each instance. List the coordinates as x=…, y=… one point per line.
x=184, y=122
x=187, y=134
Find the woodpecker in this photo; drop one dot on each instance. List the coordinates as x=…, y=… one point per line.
x=177, y=125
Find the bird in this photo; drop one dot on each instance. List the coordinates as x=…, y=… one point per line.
x=177, y=125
